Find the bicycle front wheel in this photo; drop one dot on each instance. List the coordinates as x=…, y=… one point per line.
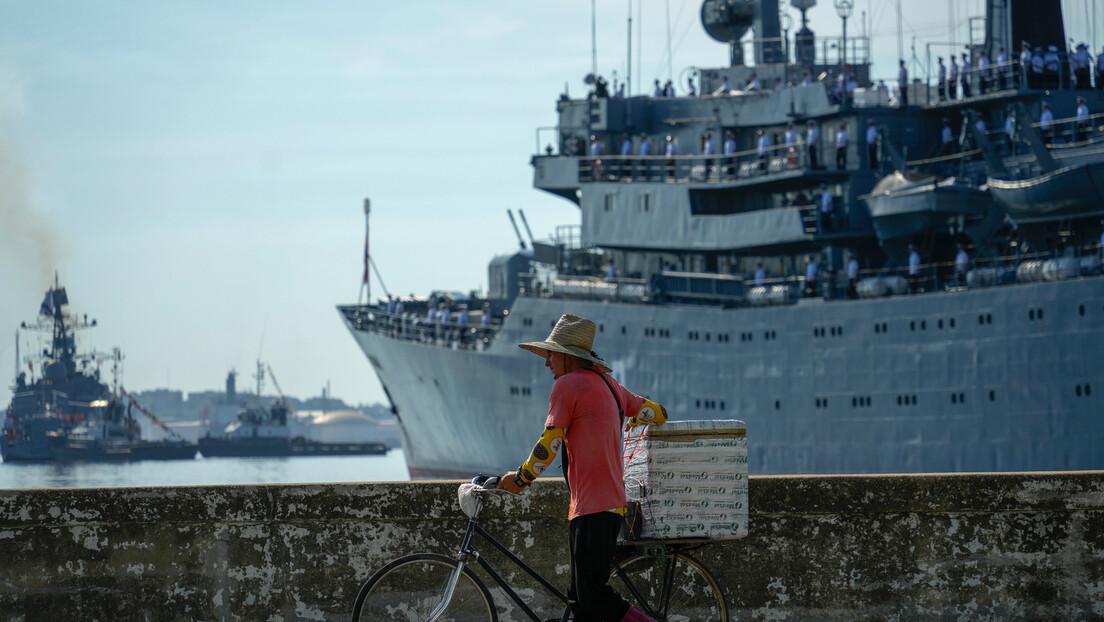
x=409, y=588
x=671, y=588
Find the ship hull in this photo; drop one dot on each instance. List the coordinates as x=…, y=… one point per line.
x=998, y=379
x=213, y=447
x=81, y=450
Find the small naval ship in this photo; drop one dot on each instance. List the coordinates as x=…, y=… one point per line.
x=67, y=412
x=874, y=281
x=265, y=432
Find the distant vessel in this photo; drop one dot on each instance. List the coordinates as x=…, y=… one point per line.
x=265, y=432
x=67, y=413
x=991, y=365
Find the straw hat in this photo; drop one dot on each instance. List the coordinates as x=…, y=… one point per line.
x=572, y=335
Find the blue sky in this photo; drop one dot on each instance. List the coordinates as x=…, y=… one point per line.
x=195, y=171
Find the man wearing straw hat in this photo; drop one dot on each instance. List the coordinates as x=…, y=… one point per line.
x=585, y=411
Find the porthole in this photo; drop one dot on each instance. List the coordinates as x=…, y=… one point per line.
x=1081, y=309
x=952, y=322
x=777, y=404
x=992, y=396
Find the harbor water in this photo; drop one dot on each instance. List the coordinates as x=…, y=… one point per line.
x=206, y=471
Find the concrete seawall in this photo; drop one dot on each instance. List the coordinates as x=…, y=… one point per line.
x=930, y=547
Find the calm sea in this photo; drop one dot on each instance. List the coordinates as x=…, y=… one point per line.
x=205, y=471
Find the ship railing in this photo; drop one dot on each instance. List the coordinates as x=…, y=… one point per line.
x=997, y=78
x=594, y=288
x=944, y=162
x=474, y=334
x=717, y=168
x=975, y=273
x=1073, y=131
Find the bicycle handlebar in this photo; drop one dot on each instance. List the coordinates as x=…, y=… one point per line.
x=486, y=482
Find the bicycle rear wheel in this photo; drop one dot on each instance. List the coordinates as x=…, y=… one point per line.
x=410, y=587
x=671, y=588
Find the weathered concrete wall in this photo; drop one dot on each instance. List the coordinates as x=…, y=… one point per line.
x=943, y=547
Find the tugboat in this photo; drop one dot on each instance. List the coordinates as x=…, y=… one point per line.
x=68, y=413
x=112, y=434
x=265, y=433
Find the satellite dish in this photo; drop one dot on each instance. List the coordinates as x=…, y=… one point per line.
x=727, y=20
x=802, y=5
x=589, y=79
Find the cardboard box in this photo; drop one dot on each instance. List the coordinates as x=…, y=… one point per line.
x=690, y=478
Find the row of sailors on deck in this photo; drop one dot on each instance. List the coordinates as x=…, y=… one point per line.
x=914, y=271
x=764, y=143
x=1081, y=125
x=439, y=313
x=1040, y=68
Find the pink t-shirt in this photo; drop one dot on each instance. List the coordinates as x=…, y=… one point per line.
x=582, y=405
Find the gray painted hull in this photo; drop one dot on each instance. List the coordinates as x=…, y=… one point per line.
x=1072, y=191
x=999, y=379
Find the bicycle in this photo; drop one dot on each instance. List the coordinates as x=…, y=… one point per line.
x=658, y=577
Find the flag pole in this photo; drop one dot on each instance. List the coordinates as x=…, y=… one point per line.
x=366, y=285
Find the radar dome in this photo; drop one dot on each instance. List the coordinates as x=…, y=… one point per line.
x=727, y=20
x=55, y=372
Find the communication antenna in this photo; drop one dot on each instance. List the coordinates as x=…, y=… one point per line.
x=628, y=73
x=366, y=285
x=593, y=41
x=670, y=73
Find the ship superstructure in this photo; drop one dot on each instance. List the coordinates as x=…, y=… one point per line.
x=928, y=298
x=63, y=411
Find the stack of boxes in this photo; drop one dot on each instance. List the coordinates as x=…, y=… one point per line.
x=689, y=478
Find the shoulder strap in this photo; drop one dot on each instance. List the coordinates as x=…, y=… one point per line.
x=620, y=412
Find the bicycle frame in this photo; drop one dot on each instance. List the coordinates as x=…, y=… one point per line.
x=468, y=552
x=624, y=553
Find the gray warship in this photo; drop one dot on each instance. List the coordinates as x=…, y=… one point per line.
x=928, y=299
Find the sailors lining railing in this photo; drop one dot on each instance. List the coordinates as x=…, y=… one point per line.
x=740, y=290
x=413, y=327
x=697, y=167
x=973, y=82
x=727, y=290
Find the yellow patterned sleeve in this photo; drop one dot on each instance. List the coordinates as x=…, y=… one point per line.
x=650, y=413
x=544, y=452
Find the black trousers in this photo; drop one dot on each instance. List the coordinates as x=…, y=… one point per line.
x=592, y=538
